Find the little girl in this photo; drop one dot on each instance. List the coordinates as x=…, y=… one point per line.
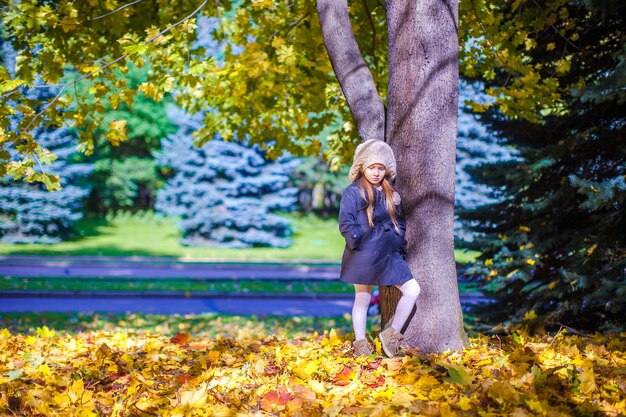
x=372, y=222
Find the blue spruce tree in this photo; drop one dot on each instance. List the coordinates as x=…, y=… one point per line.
x=29, y=213
x=224, y=193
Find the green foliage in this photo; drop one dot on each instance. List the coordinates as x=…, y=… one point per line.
x=554, y=248
x=513, y=40
x=127, y=183
x=188, y=286
x=271, y=81
x=82, y=41
x=126, y=176
x=319, y=189
x=146, y=120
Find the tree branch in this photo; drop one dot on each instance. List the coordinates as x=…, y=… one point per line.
x=354, y=76
x=116, y=10
x=289, y=27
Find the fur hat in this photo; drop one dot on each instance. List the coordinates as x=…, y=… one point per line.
x=371, y=152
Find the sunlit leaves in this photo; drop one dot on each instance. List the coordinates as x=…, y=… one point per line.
x=270, y=80
x=181, y=338
x=117, y=132
x=499, y=40
x=59, y=373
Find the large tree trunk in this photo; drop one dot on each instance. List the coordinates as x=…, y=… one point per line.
x=421, y=129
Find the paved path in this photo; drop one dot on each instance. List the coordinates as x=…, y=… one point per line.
x=155, y=267
x=159, y=268
x=320, y=307
x=175, y=302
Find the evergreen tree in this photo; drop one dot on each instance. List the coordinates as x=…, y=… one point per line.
x=125, y=175
x=29, y=212
x=224, y=193
x=475, y=146
x=554, y=247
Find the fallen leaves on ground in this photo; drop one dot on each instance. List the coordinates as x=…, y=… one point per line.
x=125, y=373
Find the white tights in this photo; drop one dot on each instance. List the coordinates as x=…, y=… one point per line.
x=359, y=313
x=410, y=292
x=362, y=296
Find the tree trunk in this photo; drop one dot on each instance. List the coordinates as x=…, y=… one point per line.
x=422, y=129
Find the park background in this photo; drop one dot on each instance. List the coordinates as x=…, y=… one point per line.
x=539, y=197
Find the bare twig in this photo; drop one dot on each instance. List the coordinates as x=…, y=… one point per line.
x=45, y=108
x=116, y=10
x=179, y=22
x=289, y=27
x=567, y=40
x=8, y=94
x=571, y=329
x=553, y=339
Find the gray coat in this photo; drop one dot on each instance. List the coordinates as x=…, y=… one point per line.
x=372, y=256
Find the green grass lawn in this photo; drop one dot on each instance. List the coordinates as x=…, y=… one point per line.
x=147, y=234
x=180, y=284
x=169, y=284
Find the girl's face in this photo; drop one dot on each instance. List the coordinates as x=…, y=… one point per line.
x=375, y=174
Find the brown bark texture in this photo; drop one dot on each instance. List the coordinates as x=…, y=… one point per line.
x=422, y=129
x=388, y=299
x=354, y=76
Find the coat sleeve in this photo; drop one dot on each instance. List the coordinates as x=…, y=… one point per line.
x=348, y=224
x=402, y=224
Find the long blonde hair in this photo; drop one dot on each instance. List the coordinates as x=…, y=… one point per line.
x=366, y=187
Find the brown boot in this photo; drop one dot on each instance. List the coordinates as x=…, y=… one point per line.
x=392, y=341
x=361, y=347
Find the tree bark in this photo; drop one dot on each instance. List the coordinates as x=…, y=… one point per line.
x=354, y=76
x=388, y=300
x=422, y=129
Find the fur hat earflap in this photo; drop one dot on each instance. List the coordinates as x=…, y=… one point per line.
x=371, y=152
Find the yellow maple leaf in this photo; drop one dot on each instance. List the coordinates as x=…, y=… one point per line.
x=117, y=132
x=332, y=340
x=587, y=379
x=503, y=391
x=306, y=369
x=193, y=398
x=402, y=399
x=387, y=393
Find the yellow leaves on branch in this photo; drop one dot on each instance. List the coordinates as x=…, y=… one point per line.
x=286, y=55
x=117, y=132
x=104, y=373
